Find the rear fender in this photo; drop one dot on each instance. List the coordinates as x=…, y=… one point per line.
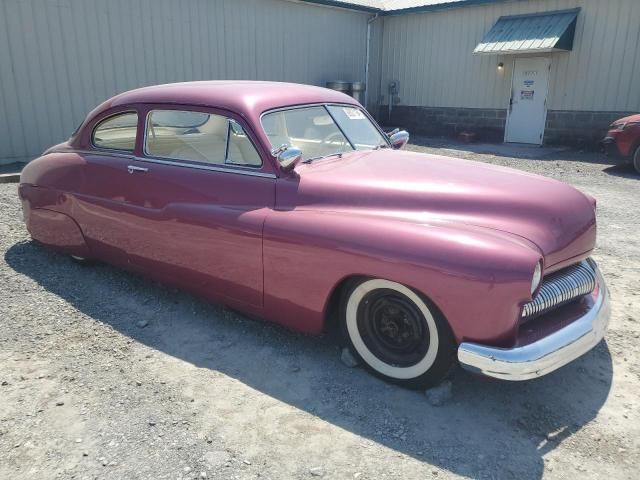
x=56, y=230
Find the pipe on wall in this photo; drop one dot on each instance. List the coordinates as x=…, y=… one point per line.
x=367, y=60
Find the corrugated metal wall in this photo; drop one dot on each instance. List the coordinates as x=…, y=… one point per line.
x=60, y=58
x=430, y=55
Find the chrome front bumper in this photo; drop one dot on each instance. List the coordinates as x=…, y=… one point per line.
x=547, y=354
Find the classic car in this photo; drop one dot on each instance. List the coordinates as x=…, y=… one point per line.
x=290, y=203
x=623, y=140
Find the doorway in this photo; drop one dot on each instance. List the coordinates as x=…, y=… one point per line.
x=527, y=113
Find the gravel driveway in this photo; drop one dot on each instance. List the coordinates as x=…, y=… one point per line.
x=107, y=375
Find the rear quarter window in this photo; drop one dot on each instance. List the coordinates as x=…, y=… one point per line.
x=117, y=132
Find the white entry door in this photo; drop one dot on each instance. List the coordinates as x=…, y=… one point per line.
x=528, y=107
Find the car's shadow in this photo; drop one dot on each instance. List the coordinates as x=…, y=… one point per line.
x=488, y=428
x=623, y=171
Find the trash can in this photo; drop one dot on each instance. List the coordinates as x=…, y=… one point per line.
x=357, y=91
x=340, y=86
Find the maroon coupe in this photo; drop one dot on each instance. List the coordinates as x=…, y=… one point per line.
x=289, y=202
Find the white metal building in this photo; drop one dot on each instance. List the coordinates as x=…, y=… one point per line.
x=60, y=58
x=555, y=71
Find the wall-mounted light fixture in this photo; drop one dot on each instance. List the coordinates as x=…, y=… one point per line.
x=500, y=67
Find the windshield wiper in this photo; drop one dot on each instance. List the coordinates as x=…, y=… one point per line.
x=309, y=160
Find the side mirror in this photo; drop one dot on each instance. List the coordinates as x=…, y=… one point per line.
x=398, y=139
x=288, y=156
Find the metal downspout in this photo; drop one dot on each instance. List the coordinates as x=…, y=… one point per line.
x=368, y=58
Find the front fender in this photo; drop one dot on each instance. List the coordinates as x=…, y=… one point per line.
x=478, y=278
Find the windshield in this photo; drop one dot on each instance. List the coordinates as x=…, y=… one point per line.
x=322, y=130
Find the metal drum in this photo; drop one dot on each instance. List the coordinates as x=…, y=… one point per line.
x=357, y=91
x=340, y=86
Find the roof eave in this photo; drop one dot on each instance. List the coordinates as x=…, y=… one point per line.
x=402, y=11
x=438, y=7
x=343, y=5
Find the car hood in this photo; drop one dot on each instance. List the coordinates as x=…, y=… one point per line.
x=431, y=189
x=630, y=118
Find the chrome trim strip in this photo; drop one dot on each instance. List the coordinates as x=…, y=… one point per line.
x=128, y=156
x=547, y=354
x=250, y=173
x=198, y=166
x=560, y=288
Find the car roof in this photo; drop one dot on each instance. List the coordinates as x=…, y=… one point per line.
x=248, y=98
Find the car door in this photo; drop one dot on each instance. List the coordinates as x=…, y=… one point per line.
x=101, y=192
x=202, y=193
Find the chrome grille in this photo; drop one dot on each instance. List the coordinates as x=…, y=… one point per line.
x=560, y=288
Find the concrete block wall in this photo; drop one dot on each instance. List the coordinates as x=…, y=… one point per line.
x=577, y=128
x=486, y=123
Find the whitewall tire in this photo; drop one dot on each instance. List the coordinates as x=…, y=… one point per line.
x=396, y=333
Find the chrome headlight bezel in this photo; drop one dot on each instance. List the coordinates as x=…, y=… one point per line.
x=536, y=280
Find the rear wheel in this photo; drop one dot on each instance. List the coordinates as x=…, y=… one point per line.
x=636, y=159
x=396, y=333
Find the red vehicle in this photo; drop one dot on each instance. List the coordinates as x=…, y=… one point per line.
x=289, y=202
x=623, y=140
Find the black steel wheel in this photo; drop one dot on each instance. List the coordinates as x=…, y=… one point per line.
x=396, y=333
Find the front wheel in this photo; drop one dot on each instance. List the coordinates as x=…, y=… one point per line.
x=636, y=159
x=397, y=334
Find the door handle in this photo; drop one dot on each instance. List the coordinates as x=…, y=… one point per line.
x=133, y=169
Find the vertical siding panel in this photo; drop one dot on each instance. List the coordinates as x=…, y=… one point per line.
x=7, y=149
x=209, y=26
x=441, y=67
x=12, y=142
x=146, y=28
x=619, y=35
x=23, y=84
x=620, y=93
x=634, y=92
x=36, y=121
x=46, y=75
x=582, y=87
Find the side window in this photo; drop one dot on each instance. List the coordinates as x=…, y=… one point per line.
x=200, y=137
x=241, y=150
x=117, y=132
x=186, y=135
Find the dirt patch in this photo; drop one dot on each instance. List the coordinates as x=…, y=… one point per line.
x=107, y=375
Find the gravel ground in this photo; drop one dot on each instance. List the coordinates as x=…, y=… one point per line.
x=107, y=375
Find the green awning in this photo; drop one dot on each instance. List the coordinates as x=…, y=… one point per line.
x=532, y=33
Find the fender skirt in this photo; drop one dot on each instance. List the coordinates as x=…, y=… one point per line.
x=58, y=231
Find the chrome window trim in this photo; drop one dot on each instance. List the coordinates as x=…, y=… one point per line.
x=203, y=166
x=226, y=148
x=111, y=153
x=325, y=104
x=197, y=166
x=109, y=117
